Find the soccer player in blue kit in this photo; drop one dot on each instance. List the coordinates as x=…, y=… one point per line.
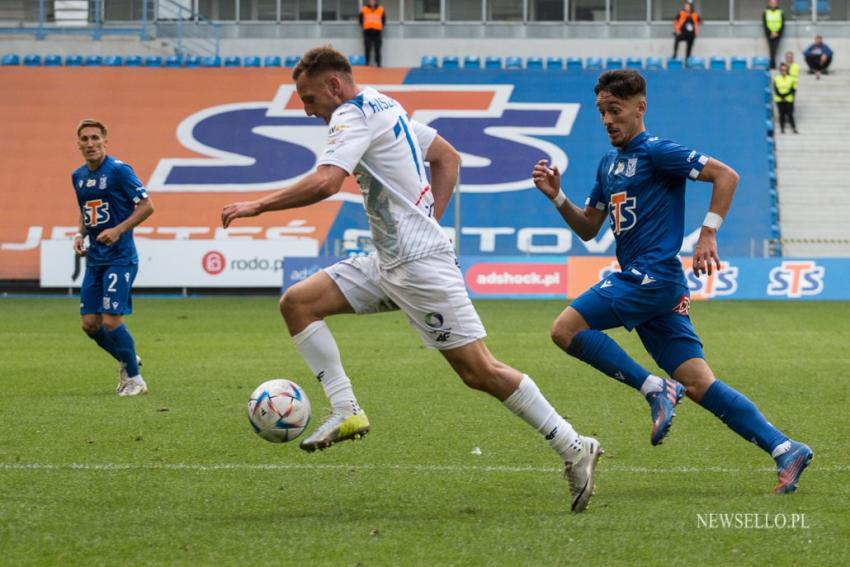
x=640, y=186
x=112, y=202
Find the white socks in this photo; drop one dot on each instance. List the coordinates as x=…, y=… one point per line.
x=652, y=384
x=318, y=347
x=528, y=403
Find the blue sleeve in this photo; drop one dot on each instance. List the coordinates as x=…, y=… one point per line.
x=827, y=51
x=676, y=160
x=596, y=199
x=808, y=50
x=131, y=185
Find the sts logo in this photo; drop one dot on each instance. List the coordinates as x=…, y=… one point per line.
x=622, y=211
x=261, y=146
x=796, y=278
x=96, y=212
x=720, y=283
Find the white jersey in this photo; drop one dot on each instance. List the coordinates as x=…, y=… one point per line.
x=372, y=135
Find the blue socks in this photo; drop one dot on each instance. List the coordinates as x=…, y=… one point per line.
x=124, y=348
x=741, y=415
x=103, y=341
x=601, y=352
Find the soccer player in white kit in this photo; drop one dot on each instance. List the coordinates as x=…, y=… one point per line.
x=414, y=268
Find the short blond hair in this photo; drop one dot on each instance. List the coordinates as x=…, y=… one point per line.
x=91, y=123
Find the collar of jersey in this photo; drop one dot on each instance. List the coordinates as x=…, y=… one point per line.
x=635, y=142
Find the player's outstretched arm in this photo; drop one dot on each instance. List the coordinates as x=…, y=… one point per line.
x=317, y=186
x=725, y=181
x=79, y=244
x=445, y=165
x=144, y=209
x=584, y=222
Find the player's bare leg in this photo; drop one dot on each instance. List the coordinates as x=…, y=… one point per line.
x=304, y=307
x=480, y=370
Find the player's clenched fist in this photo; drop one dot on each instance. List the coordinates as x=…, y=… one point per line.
x=547, y=179
x=236, y=210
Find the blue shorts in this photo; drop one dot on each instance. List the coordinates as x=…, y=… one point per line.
x=658, y=310
x=106, y=289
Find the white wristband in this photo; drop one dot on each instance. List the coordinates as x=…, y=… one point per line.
x=559, y=199
x=79, y=235
x=712, y=220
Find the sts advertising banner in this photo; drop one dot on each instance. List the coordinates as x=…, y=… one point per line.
x=202, y=138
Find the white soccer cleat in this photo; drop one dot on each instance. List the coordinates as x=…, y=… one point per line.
x=122, y=375
x=337, y=427
x=580, y=474
x=134, y=387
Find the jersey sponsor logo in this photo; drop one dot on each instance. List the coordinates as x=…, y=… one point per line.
x=621, y=207
x=256, y=146
x=95, y=212
x=796, y=278
x=434, y=320
x=722, y=282
x=91, y=182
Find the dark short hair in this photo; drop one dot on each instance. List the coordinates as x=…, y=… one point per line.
x=321, y=59
x=622, y=83
x=91, y=123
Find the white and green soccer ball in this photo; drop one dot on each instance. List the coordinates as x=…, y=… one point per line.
x=279, y=410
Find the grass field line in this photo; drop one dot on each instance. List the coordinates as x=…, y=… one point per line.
x=212, y=467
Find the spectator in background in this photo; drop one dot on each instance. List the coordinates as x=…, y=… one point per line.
x=372, y=20
x=818, y=57
x=774, y=22
x=685, y=28
x=784, y=87
x=793, y=68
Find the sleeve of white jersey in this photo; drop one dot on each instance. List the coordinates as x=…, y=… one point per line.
x=348, y=139
x=425, y=134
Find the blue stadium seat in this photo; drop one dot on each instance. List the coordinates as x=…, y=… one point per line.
x=696, y=62
x=11, y=59
x=32, y=60
x=593, y=64
x=768, y=95
x=654, y=64
x=211, y=61
x=493, y=63
x=471, y=62
x=673, y=63
x=73, y=60
x=738, y=63
x=771, y=146
x=554, y=63
x=173, y=61
x=429, y=62
x=113, y=60
x=614, y=63
x=133, y=61
x=251, y=61
x=53, y=60
x=534, y=63
x=513, y=63
x=574, y=64
x=93, y=61
x=193, y=61
x=760, y=62
x=292, y=61
x=357, y=60
x=717, y=63
x=634, y=63
x=153, y=61
x=769, y=126
x=271, y=61
x=451, y=62
x=232, y=61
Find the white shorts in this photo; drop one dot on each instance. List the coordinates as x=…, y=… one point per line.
x=430, y=291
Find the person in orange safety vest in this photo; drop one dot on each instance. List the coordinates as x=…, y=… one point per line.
x=685, y=28
x=372, y=20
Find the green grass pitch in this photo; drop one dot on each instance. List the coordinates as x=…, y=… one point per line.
x=177, y=477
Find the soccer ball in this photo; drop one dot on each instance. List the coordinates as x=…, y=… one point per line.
x=279, y=410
